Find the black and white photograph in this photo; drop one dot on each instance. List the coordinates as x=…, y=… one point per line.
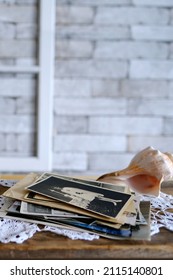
x=41, y=210
x=102, y=201
x=118, y=188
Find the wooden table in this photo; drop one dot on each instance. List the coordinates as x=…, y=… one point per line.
x=46, y=245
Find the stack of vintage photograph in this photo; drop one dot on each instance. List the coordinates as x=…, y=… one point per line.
x=111, y=211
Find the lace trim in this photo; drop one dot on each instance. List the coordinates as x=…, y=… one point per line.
x=7, y=183
x=19, y=231
x=72, y=234
x=161, y=212
x=16, y=231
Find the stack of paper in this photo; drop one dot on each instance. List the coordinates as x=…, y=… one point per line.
x=110, y=211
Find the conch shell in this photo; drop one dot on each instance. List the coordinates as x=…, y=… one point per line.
x=145, y=173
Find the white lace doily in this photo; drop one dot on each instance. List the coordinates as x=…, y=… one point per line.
x=19, y=231
x=161, y=212
x=16, y=231
x=72, y=234
x=7, y=183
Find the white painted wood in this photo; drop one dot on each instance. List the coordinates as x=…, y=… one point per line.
x=46, y=77
x=45, y=71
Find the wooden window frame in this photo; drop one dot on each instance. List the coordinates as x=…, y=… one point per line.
x=45, y=71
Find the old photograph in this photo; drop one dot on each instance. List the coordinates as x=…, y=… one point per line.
x=103, y=201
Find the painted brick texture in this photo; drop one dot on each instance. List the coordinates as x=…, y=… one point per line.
x=18, y=46
x=113, y=83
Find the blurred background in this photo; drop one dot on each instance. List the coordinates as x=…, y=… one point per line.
x=113, y=82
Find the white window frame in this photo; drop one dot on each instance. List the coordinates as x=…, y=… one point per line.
x=45, y=71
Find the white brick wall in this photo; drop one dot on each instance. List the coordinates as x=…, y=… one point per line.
x=113, y=90
x=153, y=33
x=13, y=87
x=105, y=88
x=70, y=124
x=72, y=161
x=89, y=106
x=13, y=13
x=26, y=144
x=18, y=43
x=89, y=143
x=77, y=49
x=74, y=15
x=10, y=142
x=17, y=48
x=26, y=31
x=159, y=107
x=93, y=32
x=72, y=88
x=7, y=106
x=168, y=125
x=142, y=88
x=130, y=50
x=126, y=125
x=91, y=69
x=7, y=30
x=100, y=163
x=2, y=142
x=17, y=124
x=159, y=3
x=163, y=143
x=94, y=3
x=131, y=15
x=151, y=69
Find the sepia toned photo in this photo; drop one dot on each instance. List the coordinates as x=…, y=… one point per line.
x=103, y=201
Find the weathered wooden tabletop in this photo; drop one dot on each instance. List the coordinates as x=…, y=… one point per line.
x=47, y=245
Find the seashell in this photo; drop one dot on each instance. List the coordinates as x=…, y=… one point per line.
x=145, y=173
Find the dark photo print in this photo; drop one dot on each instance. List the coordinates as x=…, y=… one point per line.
x=99, y=200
